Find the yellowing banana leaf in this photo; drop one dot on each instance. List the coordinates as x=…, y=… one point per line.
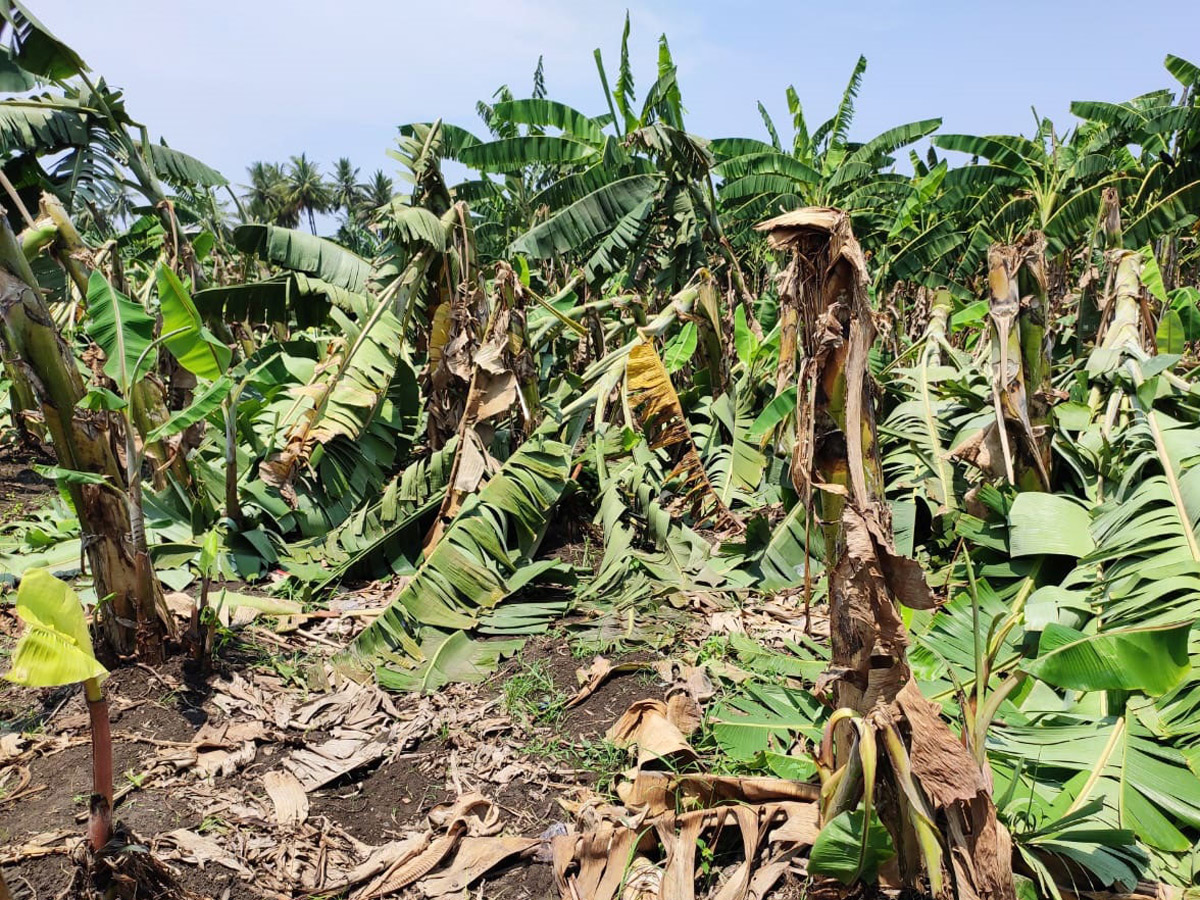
x=56, y=648
x=653, y=399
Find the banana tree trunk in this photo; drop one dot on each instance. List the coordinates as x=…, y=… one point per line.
x=1034, y=320
x=791, y=295
x=148, y=402
x=130, y=611
x=101, y=807
x=931, y=793
x=938, y=330
x=1123, y=322
x=1018, y=358
x=21, y=398
x=505, y=344
x=22, y=394
x=713, y=349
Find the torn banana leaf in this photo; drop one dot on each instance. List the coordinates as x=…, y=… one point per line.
x=472, y=570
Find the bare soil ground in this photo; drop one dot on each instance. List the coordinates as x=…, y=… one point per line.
x=21, y=488
x=522, y=755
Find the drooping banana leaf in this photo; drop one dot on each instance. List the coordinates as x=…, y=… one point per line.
x=35, y=49
x=305, y=253
x=37, y=127
x=1146, y=535
x=291, y=296
x=443, y=658
x=381, y=537
x=205, y=404
x=514, y=154
x=785, y=561
x=193, y=345
x=179, y=169
x=736, y=467
x=1151, y=788
x=471, y=569
x=345, y=473
x=342, y=399
x=917, y=433
x=596, y=214
x=544, y=112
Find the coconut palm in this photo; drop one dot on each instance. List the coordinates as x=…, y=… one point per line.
x=347, y=193
x=306, y=190
x=266, y=198
x=378, y=191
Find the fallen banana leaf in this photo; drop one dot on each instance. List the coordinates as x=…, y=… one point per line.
x=661, y=792
x=471, y=569
x=648, y=726
x=599, y=672
x=475, y=857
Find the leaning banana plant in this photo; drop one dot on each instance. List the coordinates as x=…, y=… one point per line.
x=378, y=539
x=343, y=395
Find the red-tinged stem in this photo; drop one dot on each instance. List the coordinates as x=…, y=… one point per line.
x=100, y=818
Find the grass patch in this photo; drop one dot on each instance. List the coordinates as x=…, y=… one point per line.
x=531, y=696
x=601, y=758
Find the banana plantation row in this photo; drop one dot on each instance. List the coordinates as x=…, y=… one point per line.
x=940, y=386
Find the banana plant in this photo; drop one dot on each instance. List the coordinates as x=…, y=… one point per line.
x=1020, y=373
x=471, y=570
x=80, y=441
x=943, y=808
x=824, y=168
x=56, y=649
x=126, y=333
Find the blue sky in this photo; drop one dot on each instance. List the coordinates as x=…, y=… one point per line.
x=264, y=79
